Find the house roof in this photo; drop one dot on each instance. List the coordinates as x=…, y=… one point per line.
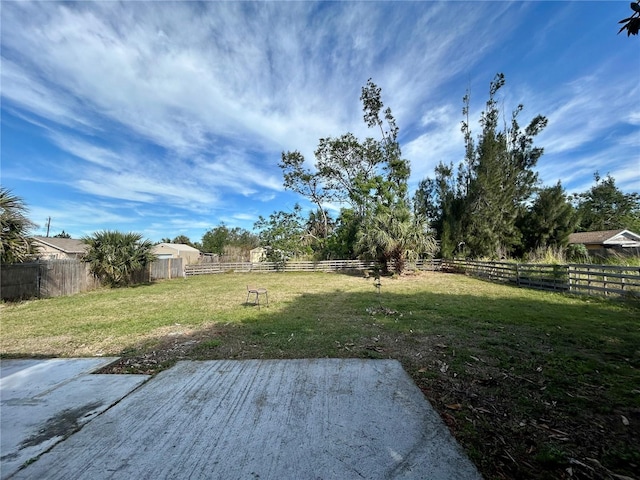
x=180, y=247
x=603, y=237
x=65, y=245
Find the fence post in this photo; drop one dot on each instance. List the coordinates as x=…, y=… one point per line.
x=39, y=278
x=518, y=274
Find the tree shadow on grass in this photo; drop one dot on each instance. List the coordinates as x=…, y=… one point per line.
x=527, y=386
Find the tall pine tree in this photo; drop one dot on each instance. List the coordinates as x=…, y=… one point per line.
x=478, y=207
x=549, y=221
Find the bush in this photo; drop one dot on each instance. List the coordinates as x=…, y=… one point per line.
x=115, y=257
x=577, y=253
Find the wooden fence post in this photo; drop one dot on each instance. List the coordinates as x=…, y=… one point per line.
x=39, y=278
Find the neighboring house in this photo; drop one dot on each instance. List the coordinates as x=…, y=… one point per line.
x=607, y=241
x=258, y=254
x=189, y=254
x=53, y=248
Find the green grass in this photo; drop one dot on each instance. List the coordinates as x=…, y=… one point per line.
x=526, y=380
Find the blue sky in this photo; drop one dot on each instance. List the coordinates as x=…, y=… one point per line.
x=167, y=118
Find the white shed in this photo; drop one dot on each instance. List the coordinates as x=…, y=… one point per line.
x=258, y=254
x=189, y=254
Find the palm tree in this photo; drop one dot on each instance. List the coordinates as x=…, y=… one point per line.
x=115, y=257
x=14, y=228
x=396, y=237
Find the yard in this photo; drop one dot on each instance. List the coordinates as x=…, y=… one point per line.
x=532, y=384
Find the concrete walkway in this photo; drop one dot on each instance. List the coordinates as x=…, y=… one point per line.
x=261, y=419
x=43, y=401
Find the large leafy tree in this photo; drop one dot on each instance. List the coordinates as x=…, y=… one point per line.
x=370, y=175
x=307, y=183
x=342, y=242
x=365, y=174
x=605, y=207
x=14, y=228
x=282, y=235
x=183, y=239
x=219, y=239
x=216, y=239
x=115, y=257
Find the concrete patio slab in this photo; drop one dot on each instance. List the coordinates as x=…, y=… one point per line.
x=43, y=401
x=266, y=419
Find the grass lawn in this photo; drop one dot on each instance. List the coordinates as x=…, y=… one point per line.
x=532, y=384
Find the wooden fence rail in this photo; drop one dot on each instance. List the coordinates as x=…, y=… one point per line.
x=573, y=278
x=301, y=266
x=604, y=279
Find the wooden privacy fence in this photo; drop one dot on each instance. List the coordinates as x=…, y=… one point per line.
x=65, y=277
x=19, y=280
x=54, y=278
x=574, y=278
x=310, y=266
x=166, y=268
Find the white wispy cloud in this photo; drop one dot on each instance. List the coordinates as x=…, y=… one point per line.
x=187, y=105
x=586, y=108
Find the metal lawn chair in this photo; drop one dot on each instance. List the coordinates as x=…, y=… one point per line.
x=257, y=291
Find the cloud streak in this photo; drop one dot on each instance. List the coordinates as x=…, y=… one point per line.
x=187, y=105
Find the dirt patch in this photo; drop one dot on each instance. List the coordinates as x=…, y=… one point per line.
x=152, y=360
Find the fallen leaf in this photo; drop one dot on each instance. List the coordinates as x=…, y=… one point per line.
x=455, y=406
x=625, y=420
